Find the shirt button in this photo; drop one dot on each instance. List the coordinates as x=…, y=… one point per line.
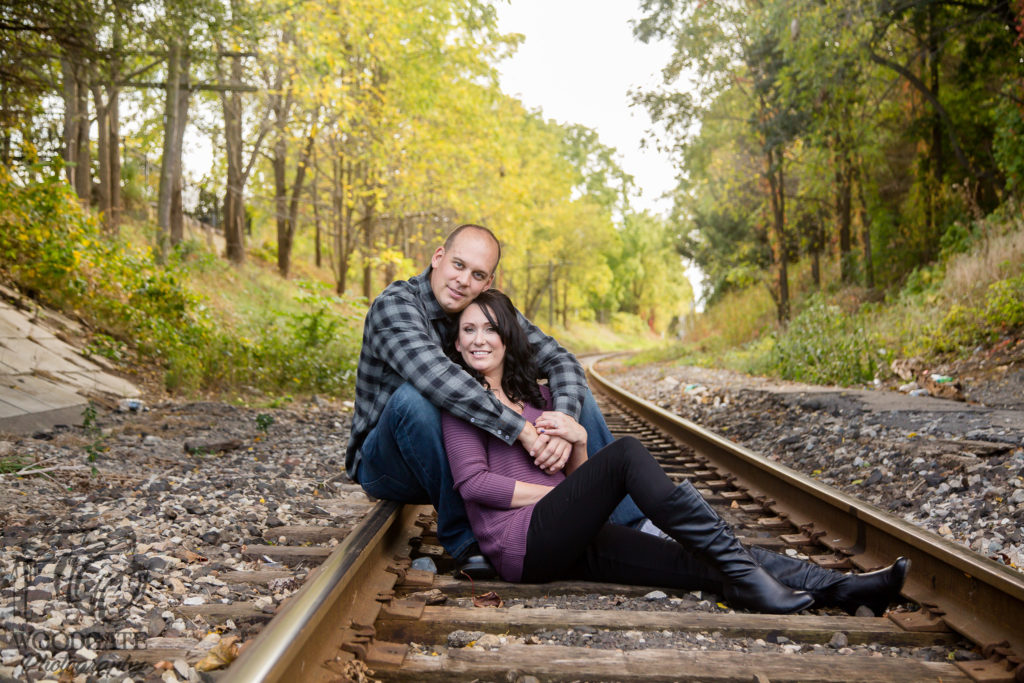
x=473, y=420
x=500, y=433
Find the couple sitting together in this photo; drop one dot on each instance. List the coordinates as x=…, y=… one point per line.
x=526, y=478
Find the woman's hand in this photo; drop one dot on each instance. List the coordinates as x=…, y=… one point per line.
x=561, y=425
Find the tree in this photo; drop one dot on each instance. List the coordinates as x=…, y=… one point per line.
x=735, y=49
x=650, y=272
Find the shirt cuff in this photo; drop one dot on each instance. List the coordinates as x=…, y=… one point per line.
x=510, y=430
x=567, y=405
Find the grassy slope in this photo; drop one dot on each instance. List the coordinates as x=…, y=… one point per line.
x=972, y=296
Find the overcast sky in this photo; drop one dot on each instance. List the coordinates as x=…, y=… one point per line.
x=577, y=64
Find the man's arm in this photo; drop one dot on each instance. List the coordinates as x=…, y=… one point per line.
x=568, y=385
x=398, y=330
x=565, y=375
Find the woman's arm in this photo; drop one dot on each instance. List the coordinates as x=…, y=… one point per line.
x=526, y=493
x=473, y=478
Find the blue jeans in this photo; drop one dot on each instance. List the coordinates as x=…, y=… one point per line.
x=598, y=436
x=403, y=459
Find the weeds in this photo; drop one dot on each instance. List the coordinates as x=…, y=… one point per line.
x=264, y=421
x=10, y=464
x=54, y=250
x=98, y=442
x=822, y=345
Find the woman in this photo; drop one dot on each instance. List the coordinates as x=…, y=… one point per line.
x=539, y=526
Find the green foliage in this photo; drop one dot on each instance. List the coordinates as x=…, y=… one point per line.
x=627, y=323
x=312, y=349
x=964, y=327
x=42, y=233
x=106, y=346
x=823, y=346
x=264, y=421
x=1008, y=148
x=14, y=463
x=883, y=165
x=52, y=248
x=958, y=239
x=923, y=279
x=1004, y=304
x=97, y=441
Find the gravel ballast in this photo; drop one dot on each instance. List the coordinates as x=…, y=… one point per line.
x=954, y=468
x=144, y=520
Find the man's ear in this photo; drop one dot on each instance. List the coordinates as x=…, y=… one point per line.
x=435, y=260
x=490, y=281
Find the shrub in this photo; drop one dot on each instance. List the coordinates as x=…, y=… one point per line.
x=1004, y=304
x=54, y=250
x=43, y=232
x=824, y=346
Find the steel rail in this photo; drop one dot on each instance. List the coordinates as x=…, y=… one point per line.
x=308, y=631
x=975, y=596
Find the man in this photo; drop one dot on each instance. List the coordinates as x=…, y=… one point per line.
x=396, y=450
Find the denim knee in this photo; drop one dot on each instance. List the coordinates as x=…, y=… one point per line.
x=410, y=404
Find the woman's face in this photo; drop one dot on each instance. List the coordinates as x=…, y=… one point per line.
x=479, y=343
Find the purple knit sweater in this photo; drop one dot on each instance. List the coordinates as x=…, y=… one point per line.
x=485, y=470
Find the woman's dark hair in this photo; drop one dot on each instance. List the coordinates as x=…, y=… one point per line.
x=519, y=379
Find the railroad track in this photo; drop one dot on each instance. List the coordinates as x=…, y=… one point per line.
x=366, y=614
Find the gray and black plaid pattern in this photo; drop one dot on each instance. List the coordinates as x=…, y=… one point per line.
x=403, y=336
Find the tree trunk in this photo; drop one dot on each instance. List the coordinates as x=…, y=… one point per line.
x=106, y=96
x=344, y=214
x=865, y=233
x=76, y=128
x=844, y=215
x=103, y=149
x=777, y=191
x=177, y=222
x=167, y=160
x=369, y=219
x=278, y=163
x=71, y=119
x=816, y=244
x=114, y=119
x=300, y=180
x=314, y=190
x=935, y=162
x=83, y=181
x=234, y=205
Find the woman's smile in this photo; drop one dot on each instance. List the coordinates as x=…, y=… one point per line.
x=480, y=344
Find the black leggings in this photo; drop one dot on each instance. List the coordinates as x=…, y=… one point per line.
x=569, y=537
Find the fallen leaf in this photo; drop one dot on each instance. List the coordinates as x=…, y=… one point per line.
x=488, y=599
x=222, y=654
x=186, y=555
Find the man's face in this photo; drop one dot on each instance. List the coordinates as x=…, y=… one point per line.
x=460, y=273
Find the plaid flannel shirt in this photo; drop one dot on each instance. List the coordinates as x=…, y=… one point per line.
x=403, y=338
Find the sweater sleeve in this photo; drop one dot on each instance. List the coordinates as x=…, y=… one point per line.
x=467, y=454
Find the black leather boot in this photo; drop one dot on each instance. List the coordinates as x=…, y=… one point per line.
x=875, y=590
x=687, y=518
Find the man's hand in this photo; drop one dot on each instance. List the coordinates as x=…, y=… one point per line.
x=565, y=434
x=559, y=424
